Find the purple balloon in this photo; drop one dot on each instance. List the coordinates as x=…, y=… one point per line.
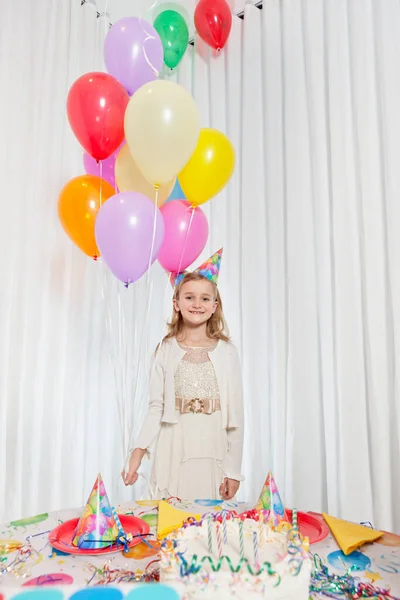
x=133, y=52
x=104, y=168
x=124, y=232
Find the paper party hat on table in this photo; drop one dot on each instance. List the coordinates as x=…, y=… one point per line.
x=350, y=536
x=97, y=527
x=270, y=501
x=208, y=269
x=171, y=519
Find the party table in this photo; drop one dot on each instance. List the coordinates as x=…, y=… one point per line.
x=41, y=565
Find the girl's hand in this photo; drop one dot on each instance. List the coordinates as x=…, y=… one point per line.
x=135, y=461
x=229, y=488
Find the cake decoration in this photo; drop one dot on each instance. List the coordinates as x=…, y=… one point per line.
x=255, y=557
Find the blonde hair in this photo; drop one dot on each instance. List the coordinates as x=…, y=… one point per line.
x=216, y=325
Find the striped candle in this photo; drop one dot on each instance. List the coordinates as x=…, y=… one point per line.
x=209, y=530
x=255, y=548
x=294, y=520
x=219, y=540
x=261, y=527
x=224, y=527
x=241, y=540
x=118, y=522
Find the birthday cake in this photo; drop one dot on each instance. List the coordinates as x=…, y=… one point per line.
x=227, y=555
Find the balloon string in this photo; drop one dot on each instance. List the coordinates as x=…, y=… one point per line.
x=135, y=405
x=109, y=329
x=186, y=239
x=148, y=37
x=155, y=3
x=106, y=19
x=123, y=345
x=180, y=262
x=152, y=492
x=149, y=294
x=101, y=182
x=121, y=318
x=154, y=232
x=126, y=381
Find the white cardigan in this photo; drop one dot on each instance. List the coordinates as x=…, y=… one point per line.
x=227, y=369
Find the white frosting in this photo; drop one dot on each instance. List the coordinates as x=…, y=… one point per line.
x=287, y=578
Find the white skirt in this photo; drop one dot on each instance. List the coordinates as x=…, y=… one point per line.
x=189, y=457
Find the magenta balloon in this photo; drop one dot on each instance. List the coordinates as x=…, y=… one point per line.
x=133, y=52
x=186, y=234
x=124, y=234
x=104, y=168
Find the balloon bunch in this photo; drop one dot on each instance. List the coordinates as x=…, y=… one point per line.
x=139, y=134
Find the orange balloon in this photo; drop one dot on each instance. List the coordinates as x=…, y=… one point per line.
x=78, y=205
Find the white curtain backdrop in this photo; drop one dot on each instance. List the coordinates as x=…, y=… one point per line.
x=309, y=93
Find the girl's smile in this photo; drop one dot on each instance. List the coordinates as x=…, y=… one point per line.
x=196, y=302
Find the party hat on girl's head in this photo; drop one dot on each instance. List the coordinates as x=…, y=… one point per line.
x=208, y=269
x=97, y=527
x=270, y=502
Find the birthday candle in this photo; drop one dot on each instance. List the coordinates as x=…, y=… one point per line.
x=210, y=545
x=118, y=522
x=241, y=540
x=255, y=548
x=224, y=526
x=261, y=527
x=294, y=520
x=219, y=541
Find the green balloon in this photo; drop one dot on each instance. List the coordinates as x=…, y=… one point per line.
x=174, y=34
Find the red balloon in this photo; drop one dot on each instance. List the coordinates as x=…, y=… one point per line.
x=96, y=106
x=213, y=22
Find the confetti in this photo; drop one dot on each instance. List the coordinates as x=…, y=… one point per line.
x=343, y=586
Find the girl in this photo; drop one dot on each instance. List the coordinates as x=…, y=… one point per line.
x=196, y=405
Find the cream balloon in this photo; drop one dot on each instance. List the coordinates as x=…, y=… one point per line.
x=130, y=179
x=162, y=126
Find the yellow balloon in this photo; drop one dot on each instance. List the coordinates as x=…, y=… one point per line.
x=209, y=169
x=162, y=126
x=130, y=179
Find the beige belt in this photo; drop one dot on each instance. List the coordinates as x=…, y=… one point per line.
x=197, y=405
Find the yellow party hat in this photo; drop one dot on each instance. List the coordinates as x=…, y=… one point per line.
x=170, y=519
x=350, y=536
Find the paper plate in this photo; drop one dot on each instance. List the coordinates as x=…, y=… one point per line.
x=61, y=537
x=310, y=526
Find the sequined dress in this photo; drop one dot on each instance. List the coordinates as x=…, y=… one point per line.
x=189, y=455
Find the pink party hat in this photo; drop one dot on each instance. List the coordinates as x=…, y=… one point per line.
x=270, y=502
x=208, y=269
x=97, y=527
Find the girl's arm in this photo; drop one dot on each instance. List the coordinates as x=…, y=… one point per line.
x=152, y=423
x=233, y=462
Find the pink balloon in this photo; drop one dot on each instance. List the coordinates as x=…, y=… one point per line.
x=102, y=168
x=129, y=227
x=186, y=234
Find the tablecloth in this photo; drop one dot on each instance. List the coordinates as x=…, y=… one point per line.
x=378, y=563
